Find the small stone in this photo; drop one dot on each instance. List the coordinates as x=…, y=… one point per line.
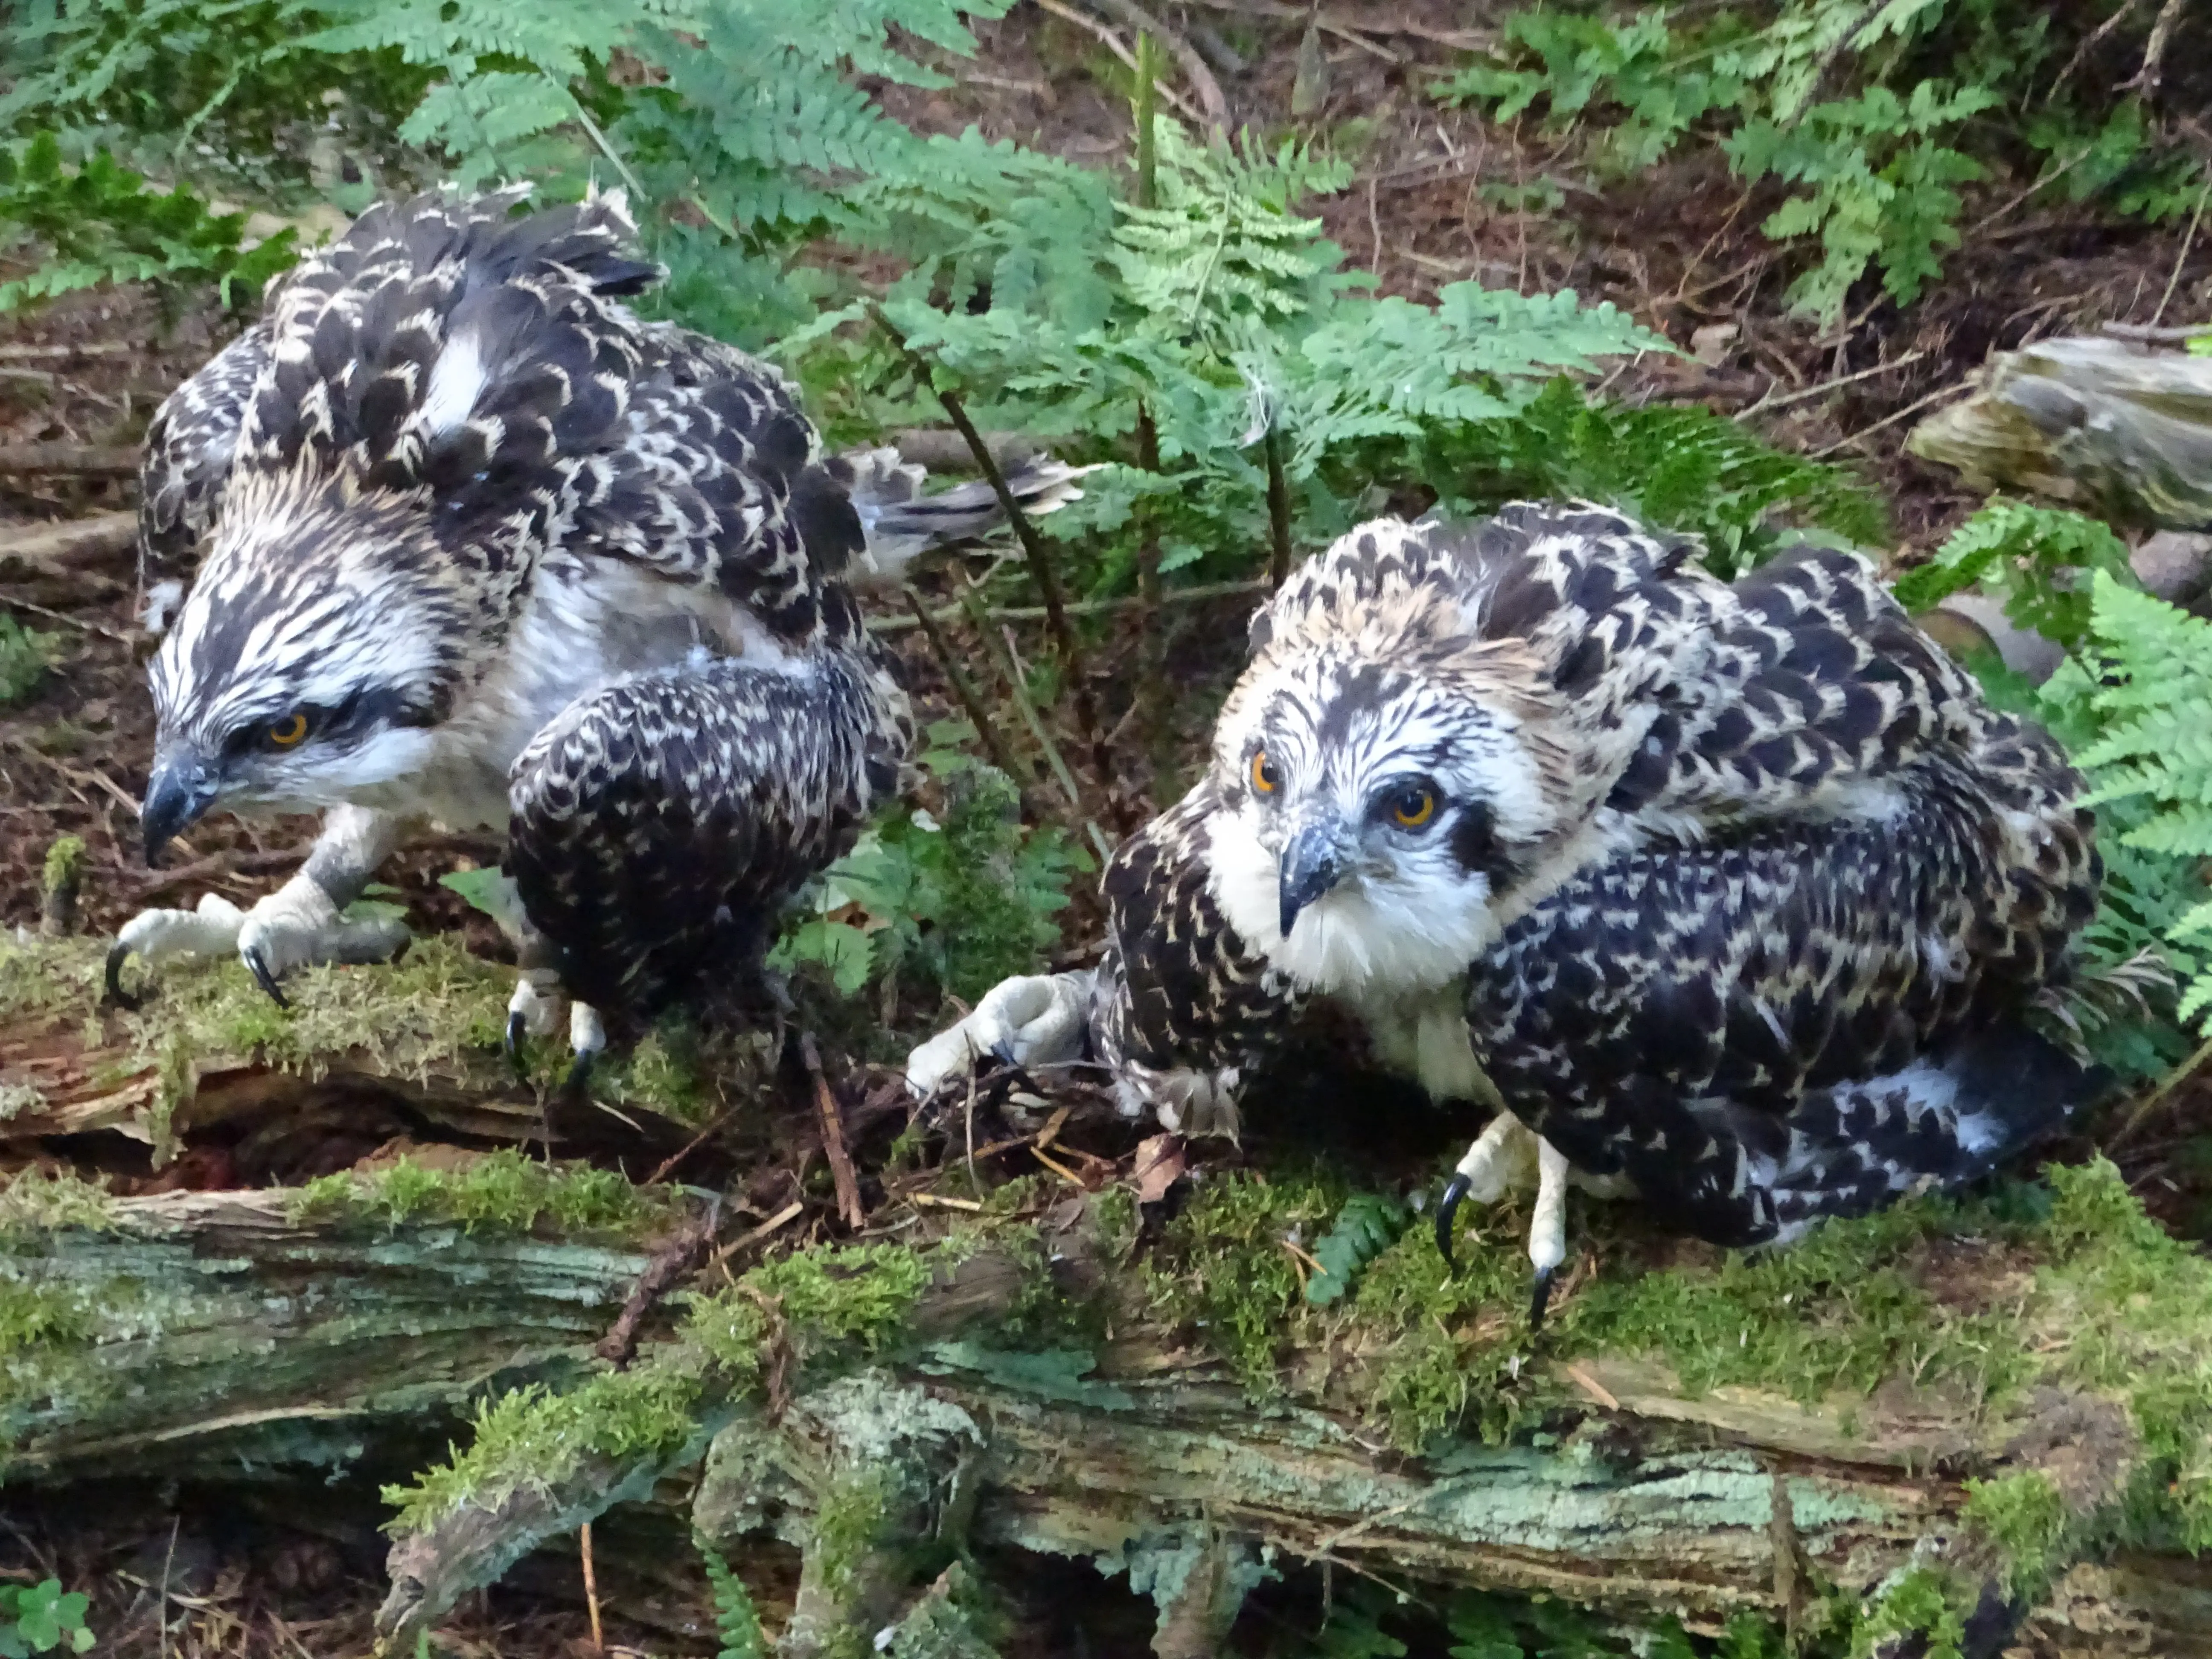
x=1710, y=344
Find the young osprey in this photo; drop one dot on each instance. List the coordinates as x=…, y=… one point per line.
x=482, y=548
x=1736, y=894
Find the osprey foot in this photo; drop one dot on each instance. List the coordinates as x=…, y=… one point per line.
x=531, y=1012
x=292, y=927
x=1031, y=1020
x=587, y=1039
x=1507, y=1155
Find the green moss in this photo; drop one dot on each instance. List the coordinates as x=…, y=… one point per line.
x=533, y=1438
x=2023, y=1517
x=732, y=1330
x=1448, y=1340
x=2130, y=1308
x=850, y=1521
x=503, y=1191
x=1843, y=1308
x=1924, y=1601
x=34, y=1203
x=1225, y=1267
x=858, y=1293
x=65, y=865
x=665, y=1073
x=32, y=1316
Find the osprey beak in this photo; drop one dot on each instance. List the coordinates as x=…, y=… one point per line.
x=183, y=787
x=1310, y=868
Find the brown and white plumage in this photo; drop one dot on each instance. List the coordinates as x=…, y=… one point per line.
x=1738, y=890
x=480, y=546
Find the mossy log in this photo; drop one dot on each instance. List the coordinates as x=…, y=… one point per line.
x=234, y=1332
x=1026, y=1375
x=2116, y=428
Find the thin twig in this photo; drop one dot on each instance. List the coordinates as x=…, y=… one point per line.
x=2172, y=1080
x=2088, y=45
x=1010, y=672
x=1771, y=402
x=2146, y=79
x=833, y=1137
x=82, y=460
x=1913, y=408
x=2148, y=336
x=1112, y=41
x=2187, y=237
x=1207, y=89
x=591, y=1588
x=1042, y=568
x=1279, y=509
x=1989, y=219
x=1198, y=594
x=64, y=618
x=775, y=1223
x=964, y=688
x=667, y=1266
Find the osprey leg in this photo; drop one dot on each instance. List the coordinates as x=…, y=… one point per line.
x=301, y=922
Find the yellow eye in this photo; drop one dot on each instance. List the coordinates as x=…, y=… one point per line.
x=288, y=730
x=1265, y=778
x=1414, y=807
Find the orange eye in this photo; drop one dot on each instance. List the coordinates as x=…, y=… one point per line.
x=1414, y=807
x=1265, y=778
x=288, y=730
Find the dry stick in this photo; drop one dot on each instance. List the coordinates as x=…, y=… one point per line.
x=1152, y=655
x=1195, y=70
x=1279, y=508
x=833, y=1137
x=1113, y=44
x=964, y=688
x=2146, y=78
x=1196, y=594
x=2088, y=45
x=2188, y=236
x=1040, y=562
x=1892, y=419
x=2147, y=335
x=1010, y=672
x=591, y=1588
x=86, y=460
x=58, y=549
x=1769, y=401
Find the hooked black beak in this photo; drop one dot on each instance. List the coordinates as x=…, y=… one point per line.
x=183, y=787
x=1310, y=869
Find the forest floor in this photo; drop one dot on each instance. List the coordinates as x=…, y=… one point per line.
x=264, y=1572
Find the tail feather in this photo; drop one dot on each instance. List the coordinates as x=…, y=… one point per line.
x=901, y=523
x=1938, y=1123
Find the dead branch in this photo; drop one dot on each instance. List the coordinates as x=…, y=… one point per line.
x=86, y=460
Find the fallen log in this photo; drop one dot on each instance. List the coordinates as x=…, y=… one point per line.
x=84, y=460
x=2115, y=428
x=1939, y=1399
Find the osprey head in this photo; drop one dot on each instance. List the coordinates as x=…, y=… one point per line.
x=1381, y=807
x=316, y=654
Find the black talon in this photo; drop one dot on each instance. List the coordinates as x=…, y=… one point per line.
x=1003, y=1052
x=573, y=1087
x=513, y=1047
x=1540, y=1299
x=262, y=976
x=118, y=954
x=1455, y=1190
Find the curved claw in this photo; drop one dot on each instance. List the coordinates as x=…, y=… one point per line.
x=1003, y=1052
x=267, y=981
x=1455, y=1191
x=513, y=1047
x=575, y=1085
x=1540, y=1298
x=118, y=954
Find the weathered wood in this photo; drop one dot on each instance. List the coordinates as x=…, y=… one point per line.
x=66, y=550
x=224, y=1333
x=2111, y=426
x=85, y=460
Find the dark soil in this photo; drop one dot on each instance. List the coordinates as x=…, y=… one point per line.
x=256, y=1571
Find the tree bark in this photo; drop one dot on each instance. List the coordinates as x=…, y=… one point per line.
x=2109, y=426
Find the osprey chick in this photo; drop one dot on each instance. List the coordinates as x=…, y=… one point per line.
x=484, y=548
x=1735, y=894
